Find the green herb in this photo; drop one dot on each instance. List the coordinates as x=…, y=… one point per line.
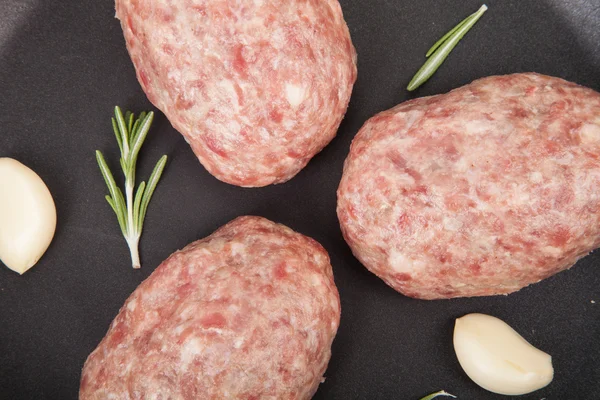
x=436, y=394
x=440, y=50
x=130, y=210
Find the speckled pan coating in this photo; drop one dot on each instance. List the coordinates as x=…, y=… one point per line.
x=249, y=312
x=481, y=191
x=256, y=87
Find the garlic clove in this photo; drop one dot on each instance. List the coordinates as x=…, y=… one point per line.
x=27, y=216
x=497, y=358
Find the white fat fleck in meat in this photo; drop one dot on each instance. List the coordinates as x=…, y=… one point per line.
x=589, y=133
x=452, y=224
x=190, y=350
x=565, y=159
x=552, y=251
x=463, y=165
x=299, y=364
x=132, y=305
x=294, y=94
x=227, y=92
x=521, y=195
x=477, y=127
x=399, y=262
x=238, y=342
x=536, y=177
x=317, y=280
x=412, y=117
x=237, y=249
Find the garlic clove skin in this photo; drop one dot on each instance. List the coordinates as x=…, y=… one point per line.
x=497, y=358
x=27, y=216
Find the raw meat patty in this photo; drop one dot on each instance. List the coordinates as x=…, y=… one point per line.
x=256, y=87
x=481, y=191
x=249, y=312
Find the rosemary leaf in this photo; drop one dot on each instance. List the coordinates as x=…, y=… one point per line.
x=123, y=164
x=140, y=136
x=138, y=123
x=443, y=50
x=447, y=35
x=130, y=175
x=112, y=204
x=108, y=177
x=152, y=182
x=142, y=117
x=135, y=127
x=436, y=394
x=129, y=118
x=120, y=218
x=118, y=135
x=115, y=193
x=122, y=128
x=120, y=204
x=137, y=203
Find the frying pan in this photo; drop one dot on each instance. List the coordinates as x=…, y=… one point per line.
x=64, y=66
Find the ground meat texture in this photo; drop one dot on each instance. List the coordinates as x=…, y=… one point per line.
x=249, y=312
x=256, y=87
x=481, y=191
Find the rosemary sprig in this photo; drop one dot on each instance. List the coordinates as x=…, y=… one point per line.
x=436, y=394
x=442, y=48
x=130, y=210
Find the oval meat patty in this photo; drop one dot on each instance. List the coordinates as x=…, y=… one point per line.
x=257, y=88
x=249, y=312
x=481, y=191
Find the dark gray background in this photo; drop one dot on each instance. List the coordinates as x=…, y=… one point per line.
x=64, y=66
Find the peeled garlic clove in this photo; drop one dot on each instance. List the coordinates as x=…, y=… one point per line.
x=497, y=358
x=27, y=216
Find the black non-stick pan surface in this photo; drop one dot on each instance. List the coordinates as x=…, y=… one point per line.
x=64, y=66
